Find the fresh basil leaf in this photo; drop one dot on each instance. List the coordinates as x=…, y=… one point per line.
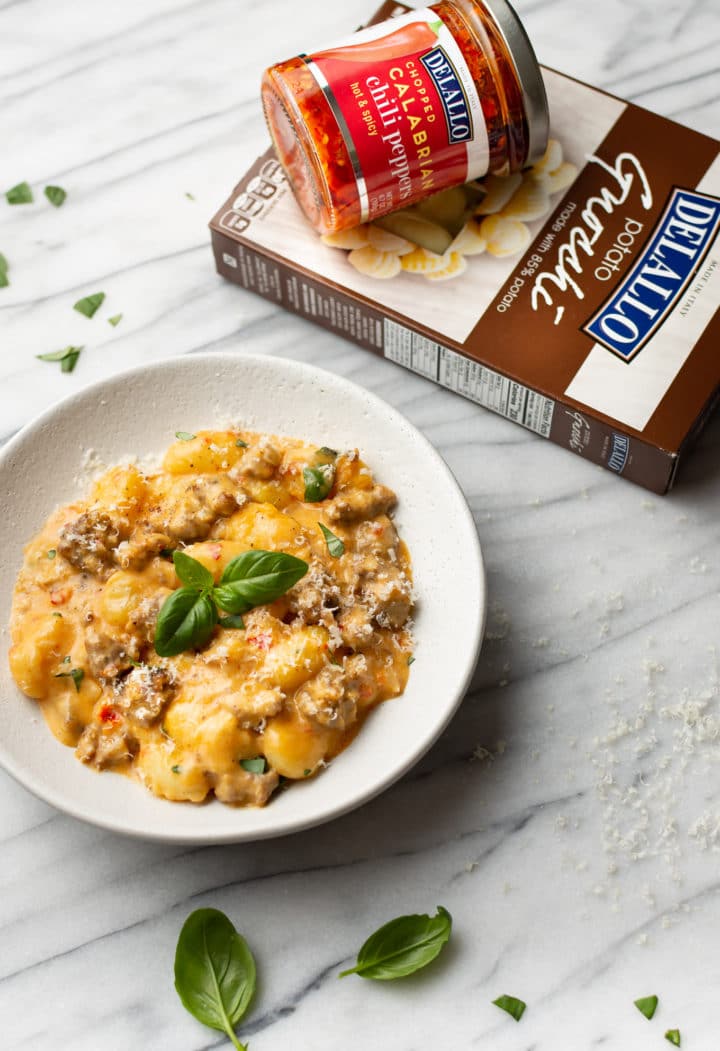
x=318, y=482
x=673, y=1037
x=647, y=1005
x=115, y=320
x=192, y=572
x=214, y=972
x=184, y=436
x=185, y=621
x=20, y=194
x=4, y=267
x=232, y=621
x=257, y=577
x=76, y=674
x=68, y=357
x=241, y=444
x=56, y=195
x=403, y=946
x=89, y=305
x=254, y=766
x=334, y=544
x=512, y=1006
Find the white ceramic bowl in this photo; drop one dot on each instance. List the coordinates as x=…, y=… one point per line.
x=137, y=413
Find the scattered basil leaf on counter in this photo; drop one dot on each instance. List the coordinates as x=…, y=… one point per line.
x=215, y=972
x=192, y=572
x=89, y=305
x=647, y=1005
x=4, y=267
x=318, y=482
x=184, y=436
x=52, y=553
x=76, y=674
x=512, y=1006
x=403, y=946
x=189, y=196
x=185, y=621
x=68, y=357
x=254, y=766
x=257, y=577
x=673, y=1037
x=115, y=320
x=241, y=444
x=56, y=195
x=20, y=194
x=233, y=620
x=334, y=544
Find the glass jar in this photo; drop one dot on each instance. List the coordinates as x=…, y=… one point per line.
x=406, y=108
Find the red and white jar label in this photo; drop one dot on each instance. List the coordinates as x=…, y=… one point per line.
x=408, y=110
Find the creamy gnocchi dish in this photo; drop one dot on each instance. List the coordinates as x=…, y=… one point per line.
x=222, y=624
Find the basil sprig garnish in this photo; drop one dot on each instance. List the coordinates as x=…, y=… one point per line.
x=187, y=617
x=318, y=482
x=512, y=1006
x=335, y=545
x=403, y=946
x=215, y=972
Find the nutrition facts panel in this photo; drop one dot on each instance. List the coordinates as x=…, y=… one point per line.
x=469, y=378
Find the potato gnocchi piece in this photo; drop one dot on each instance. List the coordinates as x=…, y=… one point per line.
x=423, y=262
x=370, y=261
x=416, y=228
x=551, y=159
x=456, y=265
x=505, y=236
x=530, y=201
x=384, y=241
x=470, y=240
x=499, y=191
x=357, y=237
x=560, y=179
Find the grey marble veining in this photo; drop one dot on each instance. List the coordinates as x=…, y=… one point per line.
x=569, y=818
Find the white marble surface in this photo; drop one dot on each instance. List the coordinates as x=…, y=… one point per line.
x=567, y=855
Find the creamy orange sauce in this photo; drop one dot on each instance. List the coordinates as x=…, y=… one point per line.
x=291, y=688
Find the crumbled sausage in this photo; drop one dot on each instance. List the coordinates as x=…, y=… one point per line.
x=145, y=692
x=308, y=597
x=253, y=706
x=143, y=618
x=261, y=461
x=355, y=626
x=137, y=552
x=108, y=657
x=89, y=542
x=358, y=504
x=378, y=537
x=103, y=746
x=242, y=788
x=388, y=593
x=324, y=699
x=199, y=507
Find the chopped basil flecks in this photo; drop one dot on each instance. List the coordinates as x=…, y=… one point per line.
x=647, y=1005
x=254, y=766
x=325, y=450
x=57, y=614
x=51, y=553
x=512, y=1006
x=176, y=769
x=411, y=660
x=68, y=357
x=66, y=660
x=306, y=773
x=335, y=545
x=76, y=674
x=673, y=1037
x=189, y=195
x=20, y=194
x=56, y=195
x=89, y=305
x=241, y=444
x=115, y=320
x=4, y=267
x=184, y=436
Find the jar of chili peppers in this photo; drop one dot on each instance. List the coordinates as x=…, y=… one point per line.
x=406, y=108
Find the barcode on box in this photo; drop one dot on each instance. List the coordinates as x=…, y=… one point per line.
x=464, y=376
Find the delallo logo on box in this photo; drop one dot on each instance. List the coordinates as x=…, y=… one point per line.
x=679, y=242
x=452, y=95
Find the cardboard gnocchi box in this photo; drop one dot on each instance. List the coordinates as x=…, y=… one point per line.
x=579, y=299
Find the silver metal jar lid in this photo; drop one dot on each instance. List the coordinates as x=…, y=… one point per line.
x=529, y=75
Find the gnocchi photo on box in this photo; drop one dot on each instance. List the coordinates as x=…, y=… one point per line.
x=578, y=297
